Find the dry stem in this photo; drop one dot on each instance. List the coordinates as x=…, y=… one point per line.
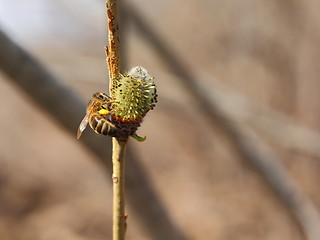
x=113, y=48
x=119, y=219
x=119, y=148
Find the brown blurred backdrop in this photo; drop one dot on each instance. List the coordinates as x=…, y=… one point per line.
x=238, y=81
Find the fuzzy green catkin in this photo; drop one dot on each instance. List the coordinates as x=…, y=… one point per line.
x=134, y=94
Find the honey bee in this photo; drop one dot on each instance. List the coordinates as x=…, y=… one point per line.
x=99, y=107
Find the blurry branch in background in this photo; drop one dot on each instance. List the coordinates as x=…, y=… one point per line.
x=65, y=108
x=44, y=89
x=248, y=144
x=275, y=125
x=277, y=175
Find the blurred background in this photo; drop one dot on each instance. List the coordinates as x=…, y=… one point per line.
x=233, y=145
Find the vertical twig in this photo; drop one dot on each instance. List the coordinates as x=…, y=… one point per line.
x=119, y=219
x=113, y=48
x=119, y=147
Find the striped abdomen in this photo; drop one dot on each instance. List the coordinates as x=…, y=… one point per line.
x=101, y=125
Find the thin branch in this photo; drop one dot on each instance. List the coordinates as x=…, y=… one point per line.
x=119, y=217
x=66, y=109
x=113, y=48
x=119, y=146
x=123, y=40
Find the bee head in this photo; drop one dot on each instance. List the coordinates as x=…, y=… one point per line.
x=100, y=96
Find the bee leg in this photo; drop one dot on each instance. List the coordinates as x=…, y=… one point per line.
x=104, y=111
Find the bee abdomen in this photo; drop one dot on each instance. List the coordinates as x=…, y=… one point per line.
x=108, y=129
x=103, y=126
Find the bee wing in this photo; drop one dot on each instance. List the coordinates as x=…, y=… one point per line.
x=84, y=123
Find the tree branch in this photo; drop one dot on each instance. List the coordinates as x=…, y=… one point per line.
x=119, y=146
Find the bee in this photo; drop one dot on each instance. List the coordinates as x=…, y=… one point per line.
x=99, y=107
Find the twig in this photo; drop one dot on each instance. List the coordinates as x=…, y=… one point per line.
x=119, y=146
x=66, y=109
x=113, y=49
x=119, y=218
